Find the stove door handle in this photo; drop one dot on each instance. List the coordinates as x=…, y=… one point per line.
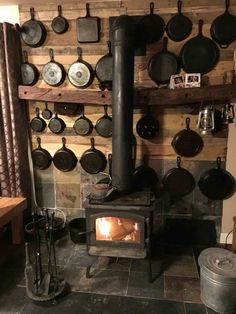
x=86, y=232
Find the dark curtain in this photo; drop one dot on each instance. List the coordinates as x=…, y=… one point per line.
x=14, y=165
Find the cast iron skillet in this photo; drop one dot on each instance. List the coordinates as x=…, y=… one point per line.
x=33, y=32
x=187, y=142
x=103, y=69
x=147, y=126
x=107, y=180
x=83, y=126
x=223, y=28
x=64, y=159
x=46, y=113
x=179, y=26
x=217, y=183
x=199, y=54
x=53, y=73
x=80, y=73
x=59, y=24
x=103, y=125
x=163, y=64
x=178, y=182
x=144, y=176
x=37, y=123
x=151, y=27
x=29, y=72
x=41, y=157
x=56, y=125
x=93, y=160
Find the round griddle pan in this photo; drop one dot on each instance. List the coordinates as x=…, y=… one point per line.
x=151, y=27
x=59, y=23
x=217, y=183
x=103, y=125
x=187, y=142
x=163, y=64
x=199, y=54
x=64, y=159
x=178, y=182
x=33, y=32
x=29, y=72
x=179, y=26
x=41, y=157
x=93, y=160
x=223, y=28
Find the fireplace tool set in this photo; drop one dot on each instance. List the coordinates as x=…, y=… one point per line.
x=43, y=283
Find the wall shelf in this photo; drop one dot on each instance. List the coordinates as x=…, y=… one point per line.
x=142, y=96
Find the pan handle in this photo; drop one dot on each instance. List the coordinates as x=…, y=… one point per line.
x=79, y=52
x=59, y=9
x=25, y=56
x=218, y=162
x=63, y=142
x=109, y=47
x=179, y=162
x=227, y=5
x=179, y=6
x=39, y=142
x=200, y=26
x=165, y=44
x=92, y=143
x=32, y=15
x=51, y=54
x=187, y=123
x=151, y=7
x=87, y=10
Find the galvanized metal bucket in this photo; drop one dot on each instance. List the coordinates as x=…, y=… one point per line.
x=218, y=279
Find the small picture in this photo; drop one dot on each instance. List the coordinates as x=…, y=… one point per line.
x=192, y=80
x=177, y=81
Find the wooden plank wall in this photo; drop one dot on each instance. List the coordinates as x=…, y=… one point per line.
x=171, y=120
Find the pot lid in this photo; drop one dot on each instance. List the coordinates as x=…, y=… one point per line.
x=219, y=262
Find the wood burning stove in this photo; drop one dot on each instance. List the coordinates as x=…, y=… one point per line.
x=121, y=227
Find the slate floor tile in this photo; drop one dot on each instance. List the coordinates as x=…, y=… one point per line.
x=141, y=265
x=182, y=266
x=182, y=289
x=13, y=300
x=194, y=308
x=139, y=286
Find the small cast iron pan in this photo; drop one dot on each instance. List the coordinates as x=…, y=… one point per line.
x=59, y=24
x=29, y=72
x=217, y=183
x=187, y=142
x=144, y=176
x=162, y=65
x=107, y=180
x=179, y=26
x=103, y=125
x=56, y=125
x=199, y=54
x=104, y=69
x=93, y=160
x=41, y=157
x=151, y=27
x=46, y=113
x=80, y=73
x=147, y=126
x=33, y=32
x=37, y=123
x=64, y=159
x=178, y=182
x=83, y=126
x=223, y=28
x=53, y=73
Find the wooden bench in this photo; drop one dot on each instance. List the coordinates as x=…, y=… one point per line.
x=11, y=210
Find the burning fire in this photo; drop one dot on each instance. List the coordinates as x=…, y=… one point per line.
x=104, y=226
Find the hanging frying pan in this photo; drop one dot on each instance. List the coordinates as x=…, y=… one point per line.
x=107, y=180
x=187, y=142
x=199, y=54
x=80, y=73
x=104, y=69
x=179, y=26
x=83, y=126
x=46, y=113
x=56, y=125
x=151, y=27
x=104, y=124
x=64, y=159
x=41, y=157
x=53, y=73
x=33, y=32
x=162, y=65
x=29, y=72
x=37, y=123
x=223, y=28
x=59, y=24
x=144, y=176
x=147, y=126
x=178, y=182
x=217, y=183
x=93, y=160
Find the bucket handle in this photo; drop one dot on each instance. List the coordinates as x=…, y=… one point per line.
x=223, y=260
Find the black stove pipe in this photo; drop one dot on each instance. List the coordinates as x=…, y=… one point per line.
x=122, y=103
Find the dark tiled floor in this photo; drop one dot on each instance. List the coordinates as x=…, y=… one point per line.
x=116, y=286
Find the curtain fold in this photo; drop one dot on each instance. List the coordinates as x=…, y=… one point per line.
x=14, y=164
